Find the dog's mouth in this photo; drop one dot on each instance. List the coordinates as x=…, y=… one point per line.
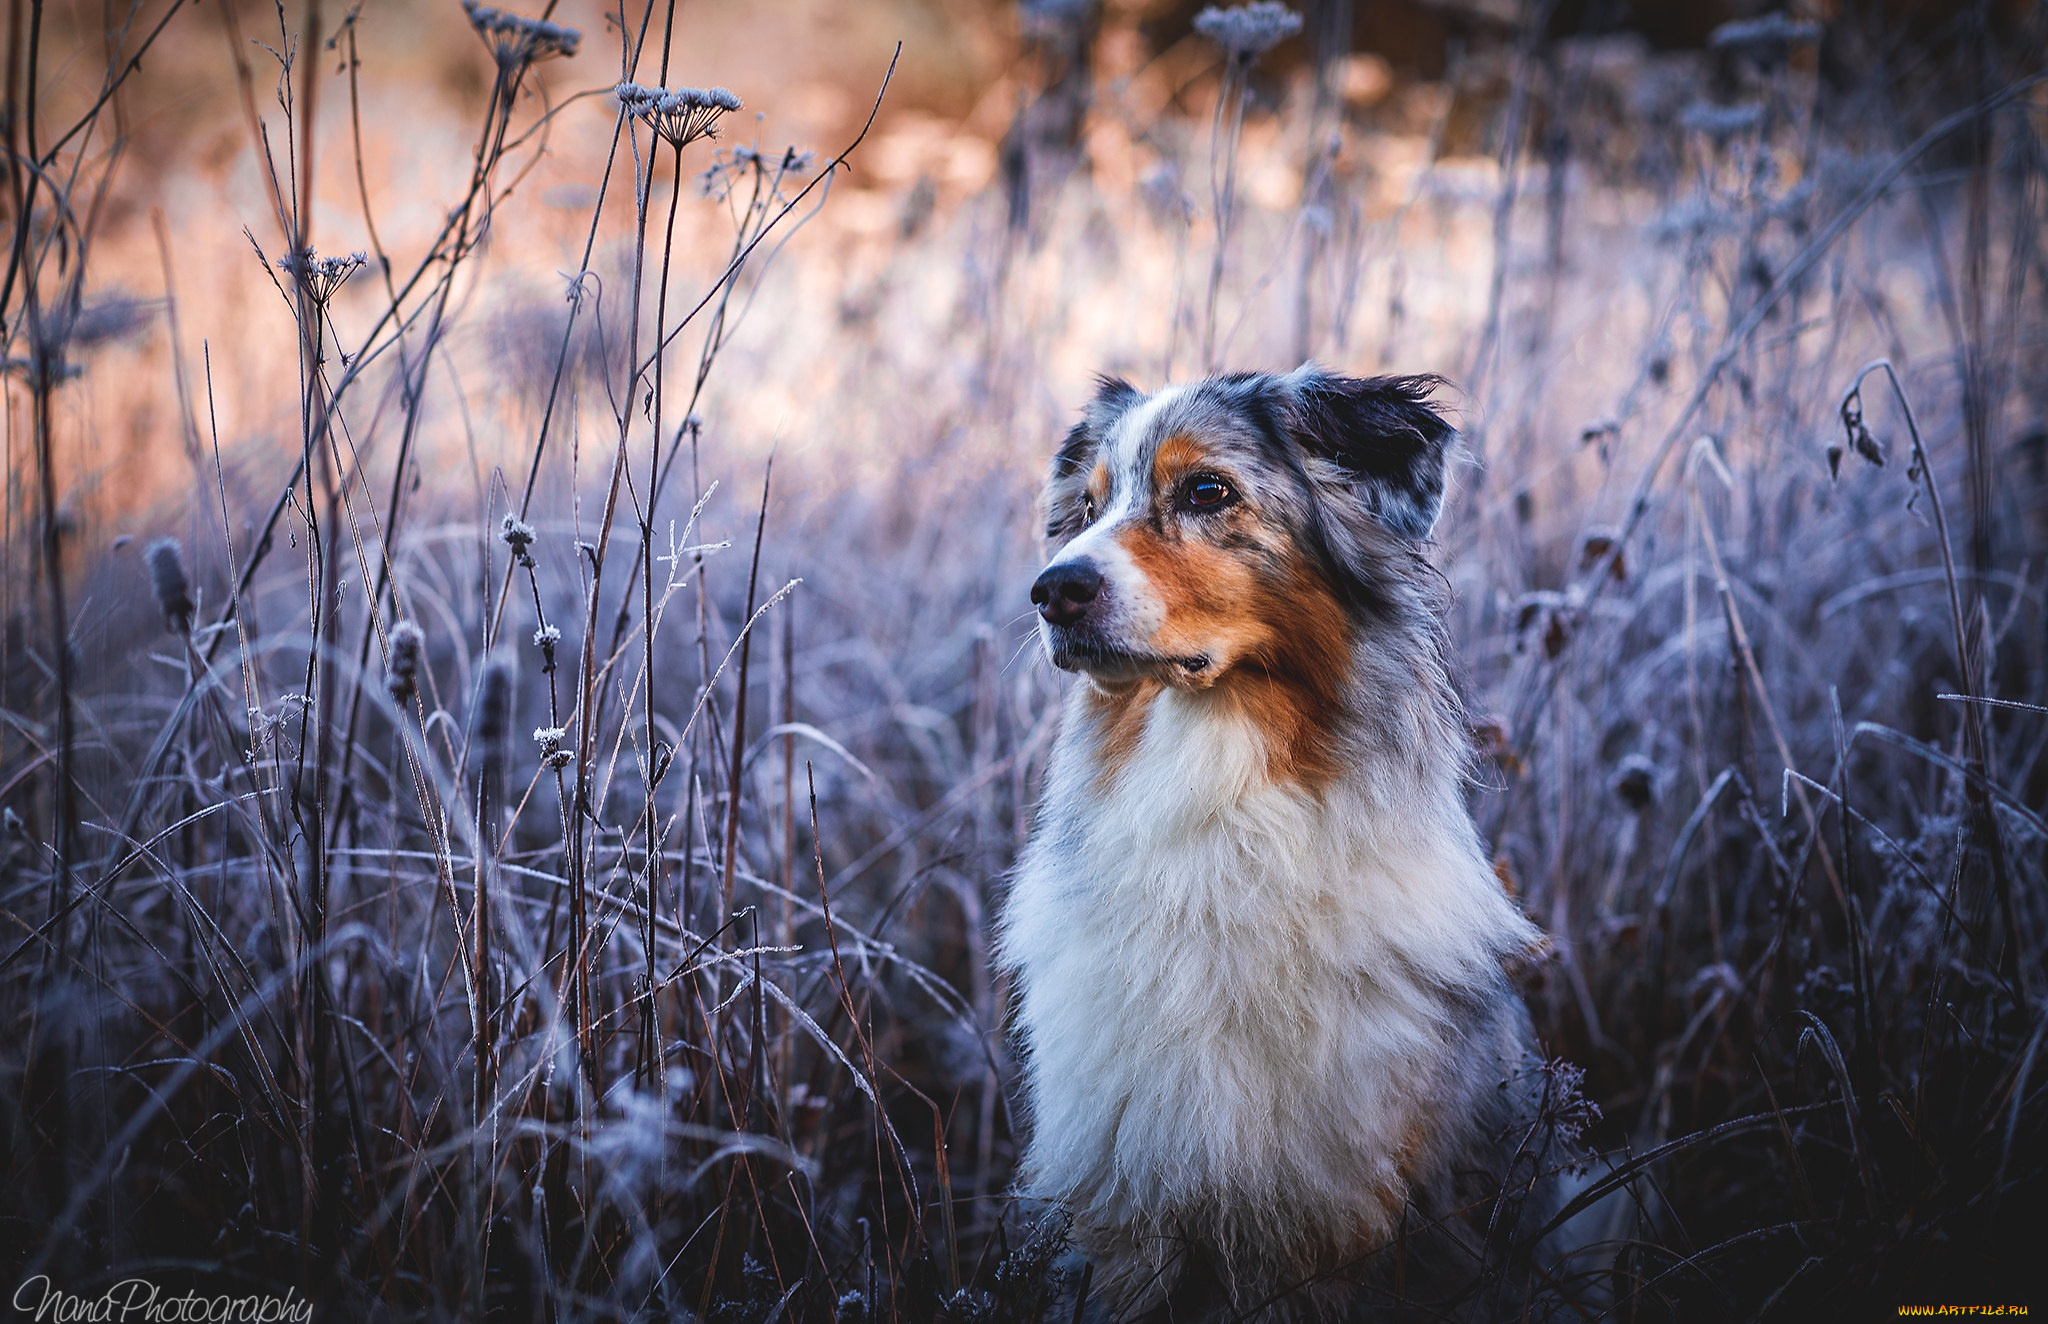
x=1072, y=652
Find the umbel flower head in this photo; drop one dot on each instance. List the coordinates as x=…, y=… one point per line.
x=516, y=42
x=319, y=276
x=1245, y=32
x=681, y=116
x=730, y=169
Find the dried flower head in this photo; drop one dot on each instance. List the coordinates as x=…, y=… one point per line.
x=1722, y=123
x=518, y=535
x=1765, y=40
x=636, y=99
x=517, y=42
x=1857, y=435
x=1635, y=783
x=1245, y=32
x=730, y=168
x=402, y=668
x=55, y=331
x=545, y=639
x=110, y=319
x=681, y=116
x=550, y=739
x=168, y=581
x=319, y=276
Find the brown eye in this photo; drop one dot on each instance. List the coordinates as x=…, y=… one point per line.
x=1087, y=510
x=1207, y=492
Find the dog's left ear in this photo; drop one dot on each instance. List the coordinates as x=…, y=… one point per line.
x=1384, y=434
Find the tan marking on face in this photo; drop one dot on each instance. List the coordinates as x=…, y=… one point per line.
x=1098, y=485
x=1203, y=594
x=1176, y=456
x=1279, y=652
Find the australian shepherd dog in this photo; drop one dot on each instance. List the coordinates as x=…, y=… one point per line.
x=1261, y=961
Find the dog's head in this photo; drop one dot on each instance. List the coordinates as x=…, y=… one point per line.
x=1243, y=521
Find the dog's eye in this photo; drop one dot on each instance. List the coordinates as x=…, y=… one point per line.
x=1207, y=492
x=1087, y=510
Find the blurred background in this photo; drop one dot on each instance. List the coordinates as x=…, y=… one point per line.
x=318, y=972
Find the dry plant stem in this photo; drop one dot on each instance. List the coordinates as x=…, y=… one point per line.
x=749, y=1114
x=481, y=1189
x=21, y=117
x=45, y=1096
x=587, y=705
x=22, y=183
x=1535, y=20
x=1924, y=468
x=64, y=794
x=318, y=1214
x=1740, y=635
x=853, y=1017
x=738, y=743
x=1224, y=132
x=649, y=1028
x=1976, y=730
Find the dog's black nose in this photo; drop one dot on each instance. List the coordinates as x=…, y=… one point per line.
x=1064, y=591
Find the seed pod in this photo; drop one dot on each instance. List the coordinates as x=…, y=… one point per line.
x=168, y=581
x=402, y=671
x=493, y=727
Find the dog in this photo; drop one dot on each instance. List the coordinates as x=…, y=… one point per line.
x=1261, y=963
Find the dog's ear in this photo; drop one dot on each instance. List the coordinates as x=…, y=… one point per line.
x=1113, y=395
x=1383, y=433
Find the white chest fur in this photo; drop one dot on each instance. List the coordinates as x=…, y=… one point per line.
x=1249, y=1013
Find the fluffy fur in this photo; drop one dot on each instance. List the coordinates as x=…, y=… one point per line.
x=1259, y=955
